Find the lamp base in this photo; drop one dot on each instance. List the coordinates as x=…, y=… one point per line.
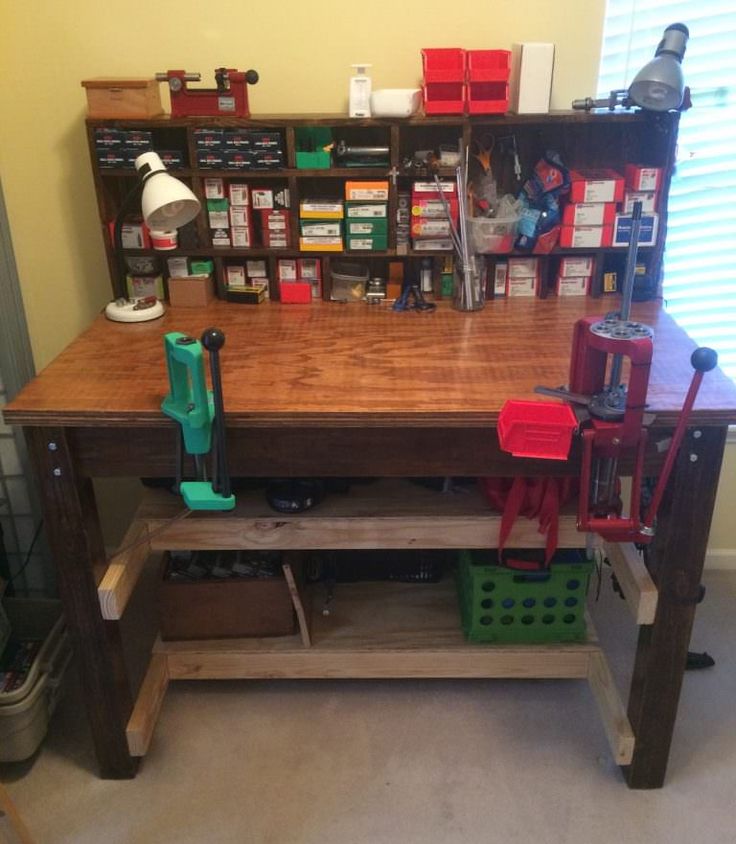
x=134, y=310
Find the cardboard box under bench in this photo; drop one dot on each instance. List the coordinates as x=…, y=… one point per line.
x=228, y=608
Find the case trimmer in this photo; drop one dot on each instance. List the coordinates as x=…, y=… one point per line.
x=201, y=417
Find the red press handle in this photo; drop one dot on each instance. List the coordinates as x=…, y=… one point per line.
x=702, y=360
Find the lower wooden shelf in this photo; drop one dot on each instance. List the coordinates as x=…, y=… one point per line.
x=381, y=631
x=376, y=630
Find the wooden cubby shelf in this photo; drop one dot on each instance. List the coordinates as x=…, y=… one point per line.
x=582, y=139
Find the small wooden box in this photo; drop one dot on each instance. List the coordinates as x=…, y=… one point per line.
x=225, y=609
x=191, y=291
x=122, y=98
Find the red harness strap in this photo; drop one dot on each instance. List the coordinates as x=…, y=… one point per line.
x=535, y=498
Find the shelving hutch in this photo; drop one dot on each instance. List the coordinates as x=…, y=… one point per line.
x=586, y=140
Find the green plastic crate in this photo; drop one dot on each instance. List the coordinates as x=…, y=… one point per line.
x=499, y=604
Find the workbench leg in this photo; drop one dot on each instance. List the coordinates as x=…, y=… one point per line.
x=676, y=559
x=74, y=537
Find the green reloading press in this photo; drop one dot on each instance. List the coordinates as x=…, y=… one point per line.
x=201, y=417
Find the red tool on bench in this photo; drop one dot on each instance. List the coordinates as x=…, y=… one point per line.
x=613, y=421
x=230, y=98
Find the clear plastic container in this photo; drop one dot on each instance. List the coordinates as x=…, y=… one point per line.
x=349, y=282
x=492, y=234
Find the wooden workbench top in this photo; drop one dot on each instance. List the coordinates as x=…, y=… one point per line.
x=344, y=365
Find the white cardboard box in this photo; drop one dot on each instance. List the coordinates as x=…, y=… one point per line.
x=573, y=285
x=530, y=82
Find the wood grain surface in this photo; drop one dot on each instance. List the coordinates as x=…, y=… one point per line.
x=331, y=364
x=341, y=365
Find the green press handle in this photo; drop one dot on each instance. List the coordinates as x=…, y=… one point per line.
x=189, y=402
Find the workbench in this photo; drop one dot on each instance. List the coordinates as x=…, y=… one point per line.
x=352, y=390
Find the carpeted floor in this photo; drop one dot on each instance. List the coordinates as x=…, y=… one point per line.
x=399, y=762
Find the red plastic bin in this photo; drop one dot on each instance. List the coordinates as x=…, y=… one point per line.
x=444, y=98
x=488, y=97
x=296, y=292
x=443, y=64
x=538, y=429
x=488, y=65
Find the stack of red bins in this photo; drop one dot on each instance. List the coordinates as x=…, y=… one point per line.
x=487, y=87
x=458, y=81
x=444, y=80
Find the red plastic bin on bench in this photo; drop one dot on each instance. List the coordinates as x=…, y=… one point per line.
x=538, y=429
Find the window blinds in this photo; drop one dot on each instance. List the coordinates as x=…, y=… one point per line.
x=700, y=258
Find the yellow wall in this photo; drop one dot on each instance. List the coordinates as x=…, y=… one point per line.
x=302, y=51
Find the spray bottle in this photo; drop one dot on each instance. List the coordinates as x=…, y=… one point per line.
x=360, y=92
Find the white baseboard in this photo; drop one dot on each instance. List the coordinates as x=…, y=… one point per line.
x=721, y=558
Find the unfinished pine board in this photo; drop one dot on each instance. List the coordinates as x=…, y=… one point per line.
x=377, y=630
x=612, y=710
x=8, y=808
x=122, y=574
x=386, y=514
x=634, y=579
x=148, y=705
x=298, y=606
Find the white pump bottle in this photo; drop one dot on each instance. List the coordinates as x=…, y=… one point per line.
x=360, y=92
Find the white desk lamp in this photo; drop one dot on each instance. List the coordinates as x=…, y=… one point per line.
x=166, y=203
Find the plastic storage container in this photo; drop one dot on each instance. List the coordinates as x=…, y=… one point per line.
x=540, y=429
x=444, y=64
x=349, y=282
x=310, y=143
x=444, y=98
x=25, y=711
x=492, y=234
x=488, y=78
x=504, y=605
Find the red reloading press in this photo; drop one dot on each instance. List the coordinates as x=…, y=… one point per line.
x=611, y=416
x=229, y=98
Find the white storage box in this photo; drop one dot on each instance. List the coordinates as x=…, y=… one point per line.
x=395, y=102
x=26, y=709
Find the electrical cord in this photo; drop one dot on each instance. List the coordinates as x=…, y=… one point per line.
x=27, y=559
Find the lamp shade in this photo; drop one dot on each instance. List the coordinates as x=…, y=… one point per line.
x=166, y=203
x=659, y=85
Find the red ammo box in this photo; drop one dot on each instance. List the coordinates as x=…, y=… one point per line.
x=540, y=429
x=295, y=292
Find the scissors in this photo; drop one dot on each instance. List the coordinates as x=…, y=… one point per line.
x=482, y=149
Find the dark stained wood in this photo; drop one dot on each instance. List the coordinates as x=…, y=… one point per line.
x=258, y=121
x=676, y=564
x=582, y=139
x=351, y=365
x=328, y=452
x=73, y=533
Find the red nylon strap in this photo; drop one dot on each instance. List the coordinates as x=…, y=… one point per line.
x=533, y=498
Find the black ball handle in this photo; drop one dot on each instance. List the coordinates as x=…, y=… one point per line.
x=704, y=359
x=251, y=77
x=213, y=339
